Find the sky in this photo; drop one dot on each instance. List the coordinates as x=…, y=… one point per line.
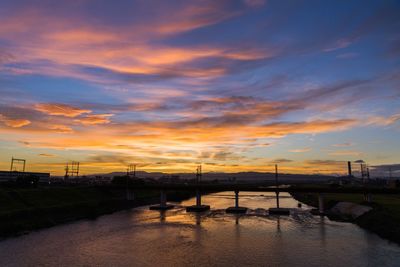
x=235, y=85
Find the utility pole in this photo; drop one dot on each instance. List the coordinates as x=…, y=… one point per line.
x=66, y=171
x=277, y=186
x=349, y=168
x=198, y=173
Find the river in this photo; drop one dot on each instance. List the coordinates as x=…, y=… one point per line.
x=140, y=237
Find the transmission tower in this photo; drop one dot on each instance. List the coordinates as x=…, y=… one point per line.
x=131, y=170
x=72, y=170
x=14, y=160
x=198, y=173
x=364, y=171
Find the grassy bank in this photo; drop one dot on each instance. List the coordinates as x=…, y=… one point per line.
x=383, y=220
x=26, y=209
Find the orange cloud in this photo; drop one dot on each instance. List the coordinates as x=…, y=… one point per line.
x=61, y=129
x=60, y=109
x=166, y=136
x=94, y=119
x=46, y=155
x=15, y=123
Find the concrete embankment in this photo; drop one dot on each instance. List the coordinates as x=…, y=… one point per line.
x=349, y=210
x=25, y=209
x=381, y=217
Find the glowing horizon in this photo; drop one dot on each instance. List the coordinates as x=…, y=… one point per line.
x=235, y=85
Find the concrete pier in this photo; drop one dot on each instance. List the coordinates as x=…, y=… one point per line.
x=198, y=198
x=163, y=203
x=198, y=207
x=236, y=208
x=277, y=199
x=321, y=208
x=279, y=211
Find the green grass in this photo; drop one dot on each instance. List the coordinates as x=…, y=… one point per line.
x=389, y=203
x=26, y=209
x=12, y=199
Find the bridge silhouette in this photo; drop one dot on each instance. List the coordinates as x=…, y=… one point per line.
x=200, y=188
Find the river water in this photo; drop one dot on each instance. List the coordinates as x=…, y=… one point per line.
x=140, y=237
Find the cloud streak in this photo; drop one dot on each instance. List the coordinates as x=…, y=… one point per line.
x=60, y=109
x=15, y=123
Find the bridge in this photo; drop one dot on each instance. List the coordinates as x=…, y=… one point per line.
x=200, y=188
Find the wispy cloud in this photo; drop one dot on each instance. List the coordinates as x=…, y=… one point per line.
x=94, y=119
x=346, y=144
x=15, y=123
x=300, y=150
x=281, y=161
x=339, y=44
x=345, y=153
x=46, y=155
x=384, y=121
x=60, y=109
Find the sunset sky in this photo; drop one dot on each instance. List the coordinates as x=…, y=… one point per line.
x=234, y=85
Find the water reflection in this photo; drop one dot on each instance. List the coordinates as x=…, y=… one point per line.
x=278, y=224
x=322, y=230
x=163, y=216
x=213, y=238
x=198, y=218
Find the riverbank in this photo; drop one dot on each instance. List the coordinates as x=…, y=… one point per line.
x=26, y=209
x=383, y=219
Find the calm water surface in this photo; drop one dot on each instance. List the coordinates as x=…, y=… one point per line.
x=141, y=237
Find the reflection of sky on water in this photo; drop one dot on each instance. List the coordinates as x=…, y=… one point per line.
x=141, y=237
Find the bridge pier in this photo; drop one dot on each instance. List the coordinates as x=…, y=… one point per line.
x=236, y=199
x=321, y=206
x=163, y=202
x=278, y=210
x=198, y=207
x=236, y=208
x=321, y=203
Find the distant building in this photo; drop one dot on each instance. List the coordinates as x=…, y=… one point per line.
x=6, y=176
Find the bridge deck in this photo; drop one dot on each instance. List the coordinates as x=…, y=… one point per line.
x=266, y=188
